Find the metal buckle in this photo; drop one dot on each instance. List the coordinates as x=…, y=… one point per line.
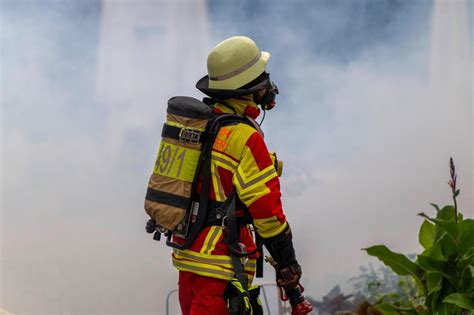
x=224, y=223
x=243, y=250
x=189, y=135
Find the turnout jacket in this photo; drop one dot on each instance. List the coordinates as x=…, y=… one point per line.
x=240, y=162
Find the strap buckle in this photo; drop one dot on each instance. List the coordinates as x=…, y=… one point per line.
x=224, y=223
x=189, y=135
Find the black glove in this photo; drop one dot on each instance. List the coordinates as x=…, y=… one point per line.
x=289, y=277
x=280, y=247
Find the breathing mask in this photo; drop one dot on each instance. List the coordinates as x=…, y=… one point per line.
x=267, y=101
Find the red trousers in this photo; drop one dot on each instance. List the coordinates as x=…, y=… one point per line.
x=199, y=295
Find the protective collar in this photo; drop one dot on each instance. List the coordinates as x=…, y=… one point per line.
x=243, y=107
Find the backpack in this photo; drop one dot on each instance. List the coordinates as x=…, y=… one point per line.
x=183, y=156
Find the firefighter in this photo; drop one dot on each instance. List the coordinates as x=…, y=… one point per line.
x=241, y=166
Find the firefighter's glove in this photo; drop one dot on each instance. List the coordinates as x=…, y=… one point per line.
x=281, y=249
x=241, y=302
x=288, y=277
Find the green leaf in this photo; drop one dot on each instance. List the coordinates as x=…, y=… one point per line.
x=466, y=260
x=466, y=279
x=434, y=251
x=449, y=248
x=435, y=206
x=443, y=309
x=447, y=235
x=444, y=268
x=434, y=281
x=471, y=288
x=390, y=309
x=461, y=300
x=447, y=226
x=466, y=241
x=456, y=193
x=447, y=213
x=446, y=309
x=432, y=299
x=399, y=263
x=426, y=234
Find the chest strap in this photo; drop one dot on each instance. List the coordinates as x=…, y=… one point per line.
x=217, y=211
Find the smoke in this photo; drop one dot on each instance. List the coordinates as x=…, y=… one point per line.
x=84, y=92
x=375, y=97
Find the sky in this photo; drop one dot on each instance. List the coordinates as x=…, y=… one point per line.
x=375, y=96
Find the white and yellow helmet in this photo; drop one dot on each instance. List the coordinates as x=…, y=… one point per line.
x=232, y=64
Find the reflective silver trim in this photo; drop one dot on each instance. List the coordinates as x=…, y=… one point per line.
x=238, y=71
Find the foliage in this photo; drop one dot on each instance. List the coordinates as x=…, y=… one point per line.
x=444, y=271
x=383, y=286
x=333, y=302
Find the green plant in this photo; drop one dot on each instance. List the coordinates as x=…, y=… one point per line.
x=383, y=286
x=444, y=271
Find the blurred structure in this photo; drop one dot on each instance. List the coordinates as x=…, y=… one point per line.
x=148, y=51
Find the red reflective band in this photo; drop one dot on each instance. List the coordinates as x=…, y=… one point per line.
x=259, y=151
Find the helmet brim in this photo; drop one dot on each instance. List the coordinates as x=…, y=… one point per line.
x=218, y=94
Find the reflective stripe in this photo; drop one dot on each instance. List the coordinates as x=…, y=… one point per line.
x=217, y=183
x=208, y=259
x=249, y=196
x=239, y=70
x=211, y=239
x=269, y=227
x=232, y=165
x=175, y=124
x=205, y=271
x=268, y=173
x=216, y=239
x=210, y=270
x=221, y=260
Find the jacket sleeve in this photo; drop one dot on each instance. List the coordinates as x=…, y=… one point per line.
x=258, y=187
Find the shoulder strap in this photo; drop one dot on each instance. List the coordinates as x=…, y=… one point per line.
x=232, y=241
x=204, y=168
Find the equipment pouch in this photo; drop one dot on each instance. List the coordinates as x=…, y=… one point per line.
x=241, y=302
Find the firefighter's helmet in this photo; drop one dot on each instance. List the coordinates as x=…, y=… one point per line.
x=236, y=67
x=235, y=62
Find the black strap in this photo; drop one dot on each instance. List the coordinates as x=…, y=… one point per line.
x=259, y=271
x=232, y=242
x=196, y=227
x=182, y=134
x=216, y=211
x=167, y=198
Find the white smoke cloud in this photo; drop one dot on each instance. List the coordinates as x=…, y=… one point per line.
x=365, y=144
